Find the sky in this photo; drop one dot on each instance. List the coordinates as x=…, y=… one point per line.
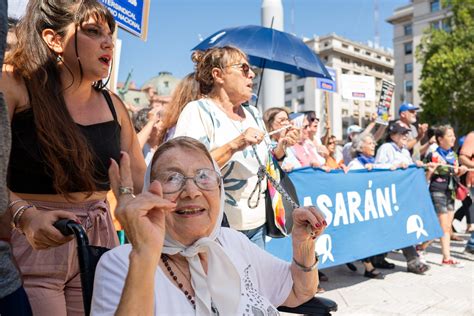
x=175, y=27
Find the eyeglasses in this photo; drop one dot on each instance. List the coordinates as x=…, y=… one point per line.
x=205, y=179
x=244, y=67
x=283, y=120
x=331, y=143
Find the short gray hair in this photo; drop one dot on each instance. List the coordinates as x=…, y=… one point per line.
x=358, y=142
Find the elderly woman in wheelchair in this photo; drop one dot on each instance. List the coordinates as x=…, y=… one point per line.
x=181, y=261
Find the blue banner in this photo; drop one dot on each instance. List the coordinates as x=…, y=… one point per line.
x=368, y=212
x=128, y=14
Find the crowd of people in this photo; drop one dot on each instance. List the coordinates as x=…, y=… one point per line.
x=186, y=179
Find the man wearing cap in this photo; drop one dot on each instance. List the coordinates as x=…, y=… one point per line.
x=407, y=113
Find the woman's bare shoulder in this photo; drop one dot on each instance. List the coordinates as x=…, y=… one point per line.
x=119, y=106
x=14, y=89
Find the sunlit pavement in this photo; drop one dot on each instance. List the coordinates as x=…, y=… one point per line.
x=441, y=291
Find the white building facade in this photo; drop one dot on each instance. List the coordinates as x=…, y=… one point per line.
x=409, y=24
x=345, y=57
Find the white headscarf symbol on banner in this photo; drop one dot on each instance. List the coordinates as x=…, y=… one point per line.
x=324, y=247
x=415, y=225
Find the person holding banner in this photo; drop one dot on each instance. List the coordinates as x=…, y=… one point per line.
x=331, y=161
x=65, y=129
x=443, y=182
x=305, y=150
x=395, y=154
x=363, y=151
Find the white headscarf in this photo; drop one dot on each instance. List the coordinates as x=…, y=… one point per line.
x=222, y=282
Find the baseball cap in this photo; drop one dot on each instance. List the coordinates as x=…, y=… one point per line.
x=407, y=107
x=354, y=129
x=397, y=128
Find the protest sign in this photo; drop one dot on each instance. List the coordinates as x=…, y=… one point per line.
x=357, y=87
x=131, y=15
x=368, y=212
x=327, y=84
x=385, y=101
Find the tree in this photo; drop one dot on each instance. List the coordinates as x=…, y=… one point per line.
x=447, y=77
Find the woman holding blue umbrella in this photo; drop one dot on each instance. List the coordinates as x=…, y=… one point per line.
x=232, y=133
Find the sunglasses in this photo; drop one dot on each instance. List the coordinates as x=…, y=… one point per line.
x=244, y=67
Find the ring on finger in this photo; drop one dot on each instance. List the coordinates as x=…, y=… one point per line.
x=125, y=190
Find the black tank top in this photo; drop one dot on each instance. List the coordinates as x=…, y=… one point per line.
x=27, y=172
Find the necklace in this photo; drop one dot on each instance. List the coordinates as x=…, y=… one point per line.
x=165, y=259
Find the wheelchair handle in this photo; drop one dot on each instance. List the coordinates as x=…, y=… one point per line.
x=63, y=225
x=69, y=227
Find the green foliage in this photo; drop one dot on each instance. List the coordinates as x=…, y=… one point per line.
x=447, y=77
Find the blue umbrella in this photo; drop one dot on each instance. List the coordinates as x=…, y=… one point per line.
x=270, y=48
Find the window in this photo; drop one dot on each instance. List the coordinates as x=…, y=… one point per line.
x=326, y=44
x=446, y=24
x=357, y=73
x=408, y=68
x=356, y=49
x=345, y=46
x=288, y=91
x=408, y=48
x=300, y=101
x=344, y=71
x=435, y=25
x=435, y=5
x=408, y=29
x=287, y=77
x=288, y=104
x=345, y=112
x=345, y=60
x=300, y=88
x=408, y=86
x=166, y=83
x=378, y=57
x=136, y=100
x=368, y=53
x=388, y=59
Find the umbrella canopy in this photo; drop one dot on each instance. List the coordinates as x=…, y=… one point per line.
x=270, y=48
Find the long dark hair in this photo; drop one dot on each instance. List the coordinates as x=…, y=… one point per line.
x=64, y=148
